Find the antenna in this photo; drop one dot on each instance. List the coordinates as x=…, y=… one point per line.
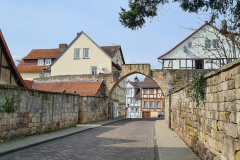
x=113, y=44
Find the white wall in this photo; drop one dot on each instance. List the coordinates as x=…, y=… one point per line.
x=197, y=51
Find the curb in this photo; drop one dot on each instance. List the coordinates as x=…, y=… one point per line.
x=49, y=140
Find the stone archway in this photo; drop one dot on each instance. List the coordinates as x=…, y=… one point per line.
x=130, y=69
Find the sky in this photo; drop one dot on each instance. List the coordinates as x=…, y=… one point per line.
x=44, y=24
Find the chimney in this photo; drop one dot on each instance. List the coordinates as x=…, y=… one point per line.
x=62, y=47
x=224, y=26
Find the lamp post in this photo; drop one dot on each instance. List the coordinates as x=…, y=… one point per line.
x=128, y=111
x=169, y=87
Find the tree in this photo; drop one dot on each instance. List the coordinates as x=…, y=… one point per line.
x=141, y=9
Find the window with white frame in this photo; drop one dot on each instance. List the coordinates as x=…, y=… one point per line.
x=45, y=74
x=93, y=70
x=136, y=109
x=189, y=44
x=151, y=91
x=77, y=53
x=132, y=101
x=86, y=53
x=158, y=104
x=215, y=43
x=132, y=109
x=48, y=61
x=145, y=104
x=151, y=104
x=207, y=43
x=145, y=91
x=41, y=62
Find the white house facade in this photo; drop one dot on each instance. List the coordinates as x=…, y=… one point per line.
x=133, y=104
x=204, y=49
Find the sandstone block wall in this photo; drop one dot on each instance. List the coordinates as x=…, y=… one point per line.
x=213, y=128
x=33, y=111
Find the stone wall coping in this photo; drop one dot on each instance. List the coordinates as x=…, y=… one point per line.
x=223, y=68
x=73, y=75
x=137, y=64
x=35, y=90
x=213, y=73
x=100, y=80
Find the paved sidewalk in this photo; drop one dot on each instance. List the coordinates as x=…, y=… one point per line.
x=170, y=146
x=26, y=142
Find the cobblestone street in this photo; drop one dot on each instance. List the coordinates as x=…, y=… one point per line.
x=126, y=139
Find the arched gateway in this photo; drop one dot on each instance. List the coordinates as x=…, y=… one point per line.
x=160, y=76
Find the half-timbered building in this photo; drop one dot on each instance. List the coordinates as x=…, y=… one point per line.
x=9, y=74
x=144, y=99
x=152, y=98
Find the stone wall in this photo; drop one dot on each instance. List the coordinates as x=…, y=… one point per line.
x=213, y=128
x=27, y=111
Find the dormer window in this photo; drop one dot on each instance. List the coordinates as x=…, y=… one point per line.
x=48, y=61
x=41, y=62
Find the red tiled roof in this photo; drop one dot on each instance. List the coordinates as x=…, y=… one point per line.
x=137, y=95
x=12, y=64
x=191, y=35
x=28, y=83
x=147, y=83
x=82, y=88
x=112, y=51
x=22, y=68
x=43, y=53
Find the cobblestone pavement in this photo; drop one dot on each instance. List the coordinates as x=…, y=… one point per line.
x=126, y=139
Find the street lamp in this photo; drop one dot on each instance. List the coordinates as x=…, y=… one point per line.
x=169, y=87
x=128, y=111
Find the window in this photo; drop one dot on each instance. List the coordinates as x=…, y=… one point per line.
x=48, y=61
x=136, y=101
x=189, y=44
x=123, y=95
x=207, y=43
x=151, y=91
x=215, y=43
x=129, y=91
x=158, y=104
x=145, y=104
x=132, y=109
x=77, y=53
x=151, y=104
x=144, y=91
x=136, y=109
x=45, y=74
x=41, y=62
x=132, y=101
x=94, y=70
x=198, y=64
x=86, y=53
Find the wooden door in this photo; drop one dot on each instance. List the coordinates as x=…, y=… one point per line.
x=146, y=114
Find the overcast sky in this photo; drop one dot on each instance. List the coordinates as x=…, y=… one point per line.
x=44, y=24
